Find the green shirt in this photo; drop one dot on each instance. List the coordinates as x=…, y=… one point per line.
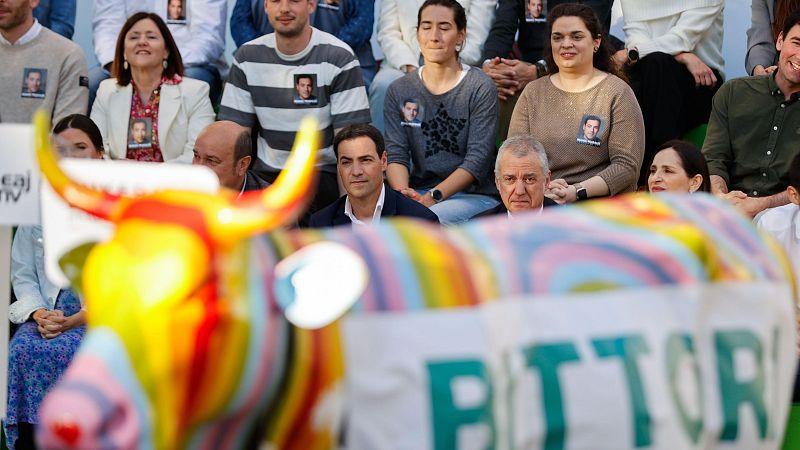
x=753, y=135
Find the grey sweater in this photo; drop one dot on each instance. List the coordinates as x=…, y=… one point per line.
x=451, y=130
x=63, y=73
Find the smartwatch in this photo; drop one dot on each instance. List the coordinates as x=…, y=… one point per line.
x=580, y=192
x=437, y=195
x=633, y=55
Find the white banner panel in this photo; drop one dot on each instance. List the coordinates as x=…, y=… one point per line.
x=65, y=228
x=19, y=176
x=687, y=367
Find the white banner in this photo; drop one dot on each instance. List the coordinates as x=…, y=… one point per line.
x=688, y=367
x=65, y=228
x=19, y=176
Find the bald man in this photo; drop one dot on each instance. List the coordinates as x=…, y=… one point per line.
x=225, y=147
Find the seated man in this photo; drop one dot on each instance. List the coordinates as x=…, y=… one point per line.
x=522, y=173
x=675, y=64
x=752, y=132
x=225, y=147
x=783, y=222
x=361, y=162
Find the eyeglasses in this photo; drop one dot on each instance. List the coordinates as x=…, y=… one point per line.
x=510, y=180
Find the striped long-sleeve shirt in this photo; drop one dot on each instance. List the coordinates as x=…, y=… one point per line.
x=272, y=89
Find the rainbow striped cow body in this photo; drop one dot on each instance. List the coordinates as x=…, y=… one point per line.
x=487, y=335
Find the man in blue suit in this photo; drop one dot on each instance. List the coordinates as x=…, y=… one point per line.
x=361, y=163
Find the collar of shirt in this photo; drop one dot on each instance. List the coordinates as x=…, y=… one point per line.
x=376, y=215
x=244, y=184
x=776, y=91
x=541, y=208
x=27, y=37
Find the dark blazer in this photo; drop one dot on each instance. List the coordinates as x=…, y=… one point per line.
x=253, y=182
x=394, y=204
x=510, y=16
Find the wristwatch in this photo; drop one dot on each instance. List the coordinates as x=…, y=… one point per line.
x=580, y=192
x=633, y=55
x=437, y=195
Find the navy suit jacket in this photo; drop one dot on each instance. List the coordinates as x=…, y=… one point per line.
x=394, y=204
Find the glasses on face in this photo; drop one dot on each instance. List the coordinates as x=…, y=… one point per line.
x=510, y=180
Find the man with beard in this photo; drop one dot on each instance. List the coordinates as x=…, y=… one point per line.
x=752, y=131
x=34, y=57
x=260, y=92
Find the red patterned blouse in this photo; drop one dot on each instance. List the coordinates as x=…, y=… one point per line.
x=143, y=144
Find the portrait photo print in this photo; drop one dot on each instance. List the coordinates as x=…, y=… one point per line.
x=536, y=11
x=305, y=85
x=176, y=12
x=411, y=113
x=34, y=82
x=140, y=132
x=591, y=130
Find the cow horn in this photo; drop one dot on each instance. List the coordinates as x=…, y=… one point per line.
x=284, y=200
x=98, y=203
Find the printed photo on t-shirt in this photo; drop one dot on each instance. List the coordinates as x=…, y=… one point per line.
x=140, y=132
x=329, y=4
x=34, y=82
x=536, y=11
x=411, y=113
x=591, y=129
x=304, y=88
x=176, y=12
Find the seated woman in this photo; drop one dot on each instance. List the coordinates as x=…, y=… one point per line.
x=678, y=166
x=765, y=26
x=441, y=122
x=52, y=320
x=148, y=111
x=583, y=113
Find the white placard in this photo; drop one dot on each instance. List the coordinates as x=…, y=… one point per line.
x=65, y=228
x=19, y=176
x=669, y=368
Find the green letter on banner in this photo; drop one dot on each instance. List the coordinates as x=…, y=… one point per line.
x=678, y=346
x=448, y=417
x=628, y=348
x=547, y=358
x=733, y=392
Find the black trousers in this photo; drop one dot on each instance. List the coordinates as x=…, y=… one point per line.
x=671, y=102
x=327, y=189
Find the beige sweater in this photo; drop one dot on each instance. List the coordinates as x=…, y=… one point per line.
x=557, y=118
x=64, y=76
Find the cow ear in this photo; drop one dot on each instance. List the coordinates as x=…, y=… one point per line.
x=72, y=263
x=319, y=283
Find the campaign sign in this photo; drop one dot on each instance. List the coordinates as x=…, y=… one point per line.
x=19, y=176
x=672, y=367
x=65, y=228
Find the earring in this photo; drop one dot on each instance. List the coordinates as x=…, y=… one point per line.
x=164, y=63
x=459, y=46
x=125, y=65
x=595, y=49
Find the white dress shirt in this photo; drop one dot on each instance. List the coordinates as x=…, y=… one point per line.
x=376, y=215
x=783, y=223
x=25, y=38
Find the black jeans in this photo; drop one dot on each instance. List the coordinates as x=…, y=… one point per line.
x=671, y=102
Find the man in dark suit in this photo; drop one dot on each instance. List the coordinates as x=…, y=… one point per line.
x=361, y=163
x=224, y=147
x=522, y=174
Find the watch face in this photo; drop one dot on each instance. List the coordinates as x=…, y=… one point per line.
x=436, y=194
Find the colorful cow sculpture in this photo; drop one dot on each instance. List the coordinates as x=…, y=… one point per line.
x=634, y=322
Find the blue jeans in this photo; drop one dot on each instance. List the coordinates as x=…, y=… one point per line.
x=461, y=207
x=377, y=93
x=206, y=72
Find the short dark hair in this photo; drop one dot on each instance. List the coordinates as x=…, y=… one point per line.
x=135, y=121
x=692, y=160
x=356, y=131
x=30, y=71
x=174, y=61
x=592, y=117
x=82, y=123
x=794, y=173
x=243, y=145
x=300, y=77
x=410, y=100
x=791, y=20
x=459, y=14
x=602, y=57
